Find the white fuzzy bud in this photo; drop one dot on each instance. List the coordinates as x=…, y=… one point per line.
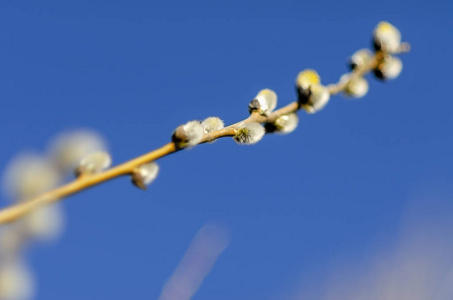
x=94, y=163
x=319, y=96
x=264, y=102
x=360, y=58
x=357, y=87
x=29, y=175
x=212, y=124
x=313, y=96
x=249, y=133
x=10, y=242
x=145, y=174
x=390, y=68
x=387, y=37
x=16, y=282
x=69, y=148
x=45, y=222
x=286, y=123
x=188, y=135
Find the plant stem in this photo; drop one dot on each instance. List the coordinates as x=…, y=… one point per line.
x=83, y=182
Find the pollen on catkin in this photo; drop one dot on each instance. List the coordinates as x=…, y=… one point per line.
x=286, y=123
x=387, y=37
x=390, y=68
x=145, y=175
x=249, y=133
x=264, y=102
x=212, y=124
x=188, y=135
x=307, y=78
x=94, y=163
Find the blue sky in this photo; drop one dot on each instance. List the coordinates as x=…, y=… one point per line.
x=294, y=204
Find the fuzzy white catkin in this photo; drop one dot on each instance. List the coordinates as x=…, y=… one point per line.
x=318, y=98
x=145, y=174
x=94, y=163
x=16, y=282
x=360, y=58
x=69, y=148
x=28, y=175
x=391, y=67
x=249, y=133
x=387, y=37
x=286, y=123
x=9, y=242
x=212, y=124
x=357, y=87
x=189, y=134
x=267, y=99
x=45, y=222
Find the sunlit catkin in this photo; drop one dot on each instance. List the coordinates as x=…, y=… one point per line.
x=387, y=37
x=286, y=123
x=145, y=175
x=355, y=87
x=212, y=124
x=265, y=102
x=44, y=223
x=70, y=147
x=249, y=133
x=94, y=163
x=312, y=95
x=360, y=59
x=390, y=68
x=188, y=135
x=16, y=282
x=28, y=175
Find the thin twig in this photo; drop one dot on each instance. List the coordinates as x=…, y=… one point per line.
x=81, y=183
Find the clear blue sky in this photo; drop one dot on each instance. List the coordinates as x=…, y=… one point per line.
x=134, y=70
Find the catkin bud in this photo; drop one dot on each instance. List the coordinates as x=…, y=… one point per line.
x=357, y=87
x=264, y=102
x=249, y=133
x=304, y=81
x=390, y=68
x=360, y=59
x=318, y=98
x=29, y=175
x=188, y=135
x=313, y=96
x=10, y=242
x=286, y=123
x=212, y=124
x=69, y=148
x=145, y=174
x=386, y=37
x=94, y=163
x=45, y=222
x=16, y=282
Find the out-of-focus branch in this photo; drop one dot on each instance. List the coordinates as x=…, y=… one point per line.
x=200, y=257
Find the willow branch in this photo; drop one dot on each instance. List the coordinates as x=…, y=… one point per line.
x=86, y=181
